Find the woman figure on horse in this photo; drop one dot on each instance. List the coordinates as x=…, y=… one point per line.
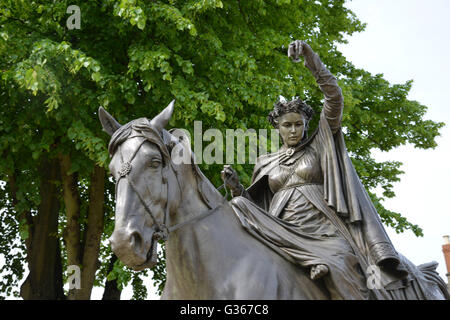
x=307, y=202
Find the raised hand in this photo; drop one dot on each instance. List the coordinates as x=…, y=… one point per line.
x=295, y=50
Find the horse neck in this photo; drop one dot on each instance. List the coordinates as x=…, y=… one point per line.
x=198, y=255
x=189, y=250
x=190, y=203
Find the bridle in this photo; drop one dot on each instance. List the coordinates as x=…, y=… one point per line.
x=162, y=230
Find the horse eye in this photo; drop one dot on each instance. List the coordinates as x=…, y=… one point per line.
x=155, y=163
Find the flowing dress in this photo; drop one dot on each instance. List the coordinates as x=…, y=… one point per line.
x=310, y=207
x=302, y=231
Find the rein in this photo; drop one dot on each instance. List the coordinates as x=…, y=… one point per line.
x=162, y=231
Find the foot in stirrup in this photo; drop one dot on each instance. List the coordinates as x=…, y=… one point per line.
x=318, y=271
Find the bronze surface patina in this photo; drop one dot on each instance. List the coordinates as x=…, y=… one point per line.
x=304, y=229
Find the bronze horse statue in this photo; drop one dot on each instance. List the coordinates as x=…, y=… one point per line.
x=209, y=255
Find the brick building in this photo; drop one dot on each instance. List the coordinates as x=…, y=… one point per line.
x=446, y=250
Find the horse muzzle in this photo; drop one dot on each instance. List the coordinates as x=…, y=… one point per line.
x=136, y=250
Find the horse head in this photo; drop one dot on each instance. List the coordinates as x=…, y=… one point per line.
x=150, y=183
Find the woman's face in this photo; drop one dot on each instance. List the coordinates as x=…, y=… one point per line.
x=291, y=127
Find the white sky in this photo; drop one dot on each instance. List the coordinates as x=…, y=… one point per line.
x=404, y=40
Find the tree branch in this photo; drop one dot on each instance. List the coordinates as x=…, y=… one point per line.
x=94, y=230
x=72, y=233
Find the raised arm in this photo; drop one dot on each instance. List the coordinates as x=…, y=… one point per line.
x=334, y=101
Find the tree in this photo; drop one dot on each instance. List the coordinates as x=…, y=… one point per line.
x=225, y=64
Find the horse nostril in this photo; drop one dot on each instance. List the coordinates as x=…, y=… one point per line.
x=136, y=241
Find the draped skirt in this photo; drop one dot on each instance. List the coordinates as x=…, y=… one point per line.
x=305, y=236
x=308, y=233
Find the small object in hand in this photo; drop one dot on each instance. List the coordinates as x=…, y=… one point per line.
x=226, y=172
x=295, y=50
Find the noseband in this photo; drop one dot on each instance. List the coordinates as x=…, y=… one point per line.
x=162, y=231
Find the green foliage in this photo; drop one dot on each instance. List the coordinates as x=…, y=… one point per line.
x=159, y=270
x=11, y=249
x=223, y=61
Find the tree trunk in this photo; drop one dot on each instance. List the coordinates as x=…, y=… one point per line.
x=72, y=233
x=44, y=280
x=94, y=230
x=23, y=215
x=112, y=291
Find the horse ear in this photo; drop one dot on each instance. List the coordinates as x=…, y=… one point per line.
x=109, y=124
x=162, y=119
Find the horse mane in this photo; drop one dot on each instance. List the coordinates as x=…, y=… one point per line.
x=143, y=127
x=205, y=188
x=122, y=134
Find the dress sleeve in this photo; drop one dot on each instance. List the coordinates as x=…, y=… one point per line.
x=334, y=100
